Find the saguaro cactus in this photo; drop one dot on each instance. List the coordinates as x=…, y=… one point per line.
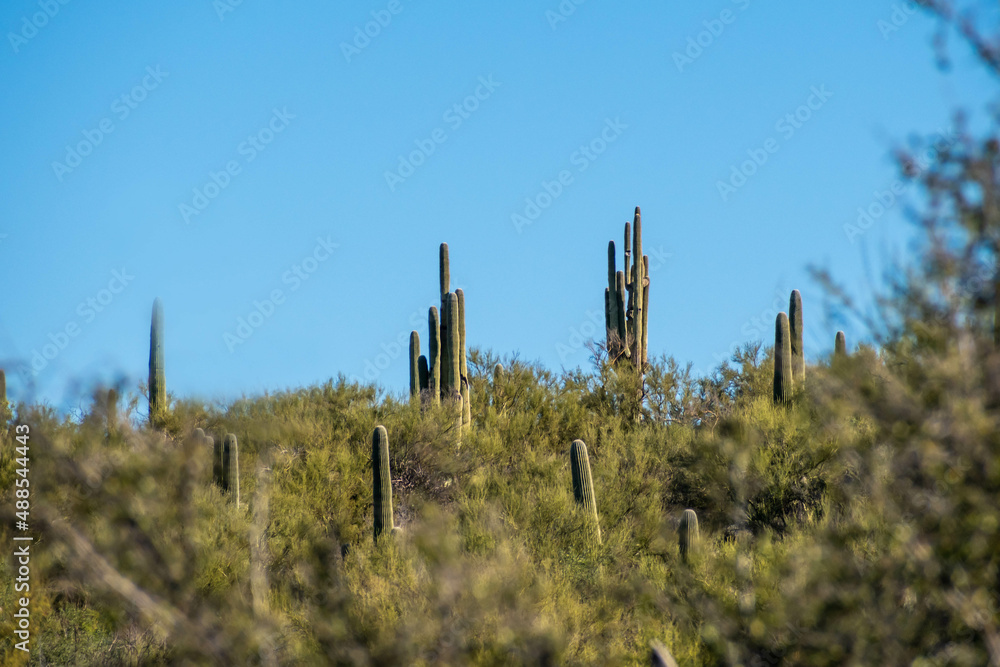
x=434, y=360
x=626, y=299
x=583, y=483
x=645, y=310
x=381, y=482
x=445, y=276
x=689, y=535
x=414, y=364
x=231, y=467
x=4, y=407
x=452, y=379
x=840, y=345
x=795, y=325
x=638, y=280
x=422, y=372
x=463, y=364
x=782, y=360
x=157, y=384
x=111, y=413
x=216, y=460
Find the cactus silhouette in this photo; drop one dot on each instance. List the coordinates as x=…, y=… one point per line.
x=645, y=309
x=5, y=413
x=422, y=373
x=795, y=326
x=452, y=365
x=216, y=460
x=463, y=366
x=583, y=483
x=840, y=345
x=626, y=299
x=635, y=297
x=231, y=467
x=157, y=384
x=689, y=535
x=782, y=360
x=434, y=358
x=414, y=364
x=381, y=482
x=111, y=414
x=445, y=276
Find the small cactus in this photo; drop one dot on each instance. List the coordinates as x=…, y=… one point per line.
x=659, y=656
x=434, y=360
x=381, y=482
x=689, y=535
x=782, y=360
x=422, y=372
x=840, y=345
x=795, y=327
x=157, y=384
x=111, y=414
x=231, y=467
x=414, y=364
x=5, y=412
x=583, y=483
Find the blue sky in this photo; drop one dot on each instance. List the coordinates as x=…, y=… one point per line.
x=217, y=155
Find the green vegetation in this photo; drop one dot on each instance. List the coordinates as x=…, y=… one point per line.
x=852, y=521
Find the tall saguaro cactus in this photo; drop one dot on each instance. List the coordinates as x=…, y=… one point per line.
x=414, y=365
x=463, y=363
x=689, y=535
x=157, y=384
x=447, y=365
x=795, y=325
x=231, y=467
x=445, y=276
x=452, y=364
x=626, y=299
x=638, y=279
x=782, y=360
x=583, y=483
x=434, y=360
x=381, y=482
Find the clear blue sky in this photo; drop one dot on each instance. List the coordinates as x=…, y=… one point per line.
x=308, y=129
